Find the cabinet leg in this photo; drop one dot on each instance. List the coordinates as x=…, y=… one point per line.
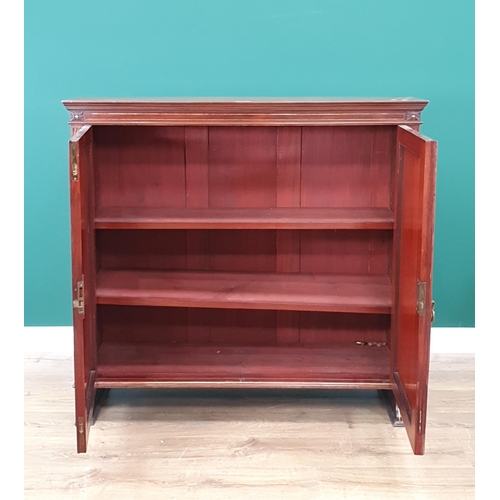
x=392, y=408
x=100, y=397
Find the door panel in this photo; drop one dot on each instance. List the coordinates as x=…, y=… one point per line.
x=83, y=269
x=413, y=279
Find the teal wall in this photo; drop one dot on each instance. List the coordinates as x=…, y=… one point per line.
x=152, y=48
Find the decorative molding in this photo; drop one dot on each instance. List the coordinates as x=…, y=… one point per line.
x=211, y=111
x=412, y=116
x=76, y=116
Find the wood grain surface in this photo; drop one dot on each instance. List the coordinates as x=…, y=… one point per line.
x=244, y=218
x=157, y=365
x=260, y=209
x=296, y=292
x=298, y=445
x=247, y=111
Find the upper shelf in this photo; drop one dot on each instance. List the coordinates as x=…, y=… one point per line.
x=244, y=218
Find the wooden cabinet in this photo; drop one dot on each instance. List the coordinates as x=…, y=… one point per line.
x=279, y=243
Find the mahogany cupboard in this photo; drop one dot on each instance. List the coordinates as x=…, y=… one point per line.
x=263, y=243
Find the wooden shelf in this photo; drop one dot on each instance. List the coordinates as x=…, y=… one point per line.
x=280, y=291
x=244, y=218
x=188, y=365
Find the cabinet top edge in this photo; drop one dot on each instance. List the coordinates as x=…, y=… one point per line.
x=251, y=111
x=242, y=100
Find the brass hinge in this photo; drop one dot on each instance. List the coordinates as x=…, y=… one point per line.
x=80, y=425
x=79, y=300
x=420, y=422
x=421, y=295
x=74, y=162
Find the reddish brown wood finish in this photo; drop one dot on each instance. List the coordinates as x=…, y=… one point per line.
x=309, y=251
x=346, y=166
x=83, y=264
x=252, y=243
x=196, y=151
x=247, y=111
x=132, y=365
x=292, y=292
x=140, y=166
x=244, y=218
x=411, y=338
x=242, y=170
x=178, y=325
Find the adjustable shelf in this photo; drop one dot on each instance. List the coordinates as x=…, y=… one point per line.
x=280, y=291
x=244, y=218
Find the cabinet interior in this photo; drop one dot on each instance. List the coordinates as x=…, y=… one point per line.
x=205, y=236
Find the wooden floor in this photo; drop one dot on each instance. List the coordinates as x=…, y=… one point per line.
x=241, y=445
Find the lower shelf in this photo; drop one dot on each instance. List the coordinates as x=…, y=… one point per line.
x=153, y=365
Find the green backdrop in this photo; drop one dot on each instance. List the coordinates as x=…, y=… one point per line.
x=150, y=48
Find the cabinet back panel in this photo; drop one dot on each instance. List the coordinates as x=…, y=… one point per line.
x=346, y=252
x=326, y=328
x=142, y=324
x=242, y=327
x=311, y=251
x=141, y=249
x=237, y=167
x=234, y=326
x=242, y=166
x=252, y=250
x=347, y=166
x=140, y=166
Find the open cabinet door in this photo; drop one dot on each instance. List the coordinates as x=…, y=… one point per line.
x=410, y=343
x=82, y=242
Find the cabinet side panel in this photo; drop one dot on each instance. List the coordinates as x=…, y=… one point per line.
x=242, y=166
x=140, y=166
